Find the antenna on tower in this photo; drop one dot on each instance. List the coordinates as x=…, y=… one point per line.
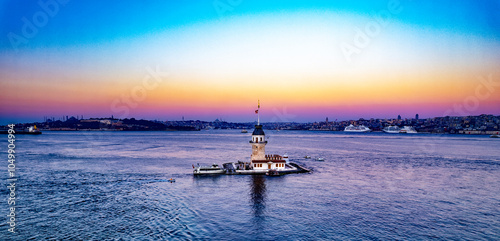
x=257, y=112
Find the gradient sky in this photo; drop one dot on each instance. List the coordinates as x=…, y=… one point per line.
x=89, y=57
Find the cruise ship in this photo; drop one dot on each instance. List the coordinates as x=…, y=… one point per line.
x=392, y=129
x=360, y=128
x=408, y=129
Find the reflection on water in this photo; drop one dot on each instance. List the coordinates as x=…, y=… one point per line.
x=258, y=201
x=258, y=195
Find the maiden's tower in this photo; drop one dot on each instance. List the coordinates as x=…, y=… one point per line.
x=260, y=162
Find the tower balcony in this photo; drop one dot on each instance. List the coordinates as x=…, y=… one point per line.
x=258, y=142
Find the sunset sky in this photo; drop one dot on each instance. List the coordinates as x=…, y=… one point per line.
x=304, y=60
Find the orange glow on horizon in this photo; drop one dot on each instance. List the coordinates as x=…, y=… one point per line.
x=196, y=95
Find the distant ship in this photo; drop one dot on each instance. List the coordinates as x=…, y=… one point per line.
x=408, y=129
x=244, y=131
x=392, y=129
x=31, y=131
x=360, y=128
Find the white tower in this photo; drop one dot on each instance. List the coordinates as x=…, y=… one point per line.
x=258, y=144
x=258, y=139
x=259, y=160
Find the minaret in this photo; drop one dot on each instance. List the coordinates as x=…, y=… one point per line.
x=258, y=140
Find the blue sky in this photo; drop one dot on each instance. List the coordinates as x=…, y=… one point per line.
x=91, y=22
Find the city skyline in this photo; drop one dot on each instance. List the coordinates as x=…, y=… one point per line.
x=212, y=59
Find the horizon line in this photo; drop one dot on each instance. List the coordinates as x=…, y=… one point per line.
x=221, y=120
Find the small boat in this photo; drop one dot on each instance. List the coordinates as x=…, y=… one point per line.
x=273, y=173
x=320, y=159
x=208, y=170
x=307, y=157
x=171, y=180
x=495, y=136
x=31, y=131
x=244, y=131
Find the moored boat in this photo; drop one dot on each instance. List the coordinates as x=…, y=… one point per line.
x=214, y=169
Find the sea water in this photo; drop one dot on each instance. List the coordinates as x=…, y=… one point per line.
x=114, y=185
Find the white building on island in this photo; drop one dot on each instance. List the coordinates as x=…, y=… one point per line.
x=259, y=159
x=260, y=162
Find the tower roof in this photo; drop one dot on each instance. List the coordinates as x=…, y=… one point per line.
x=258, y=130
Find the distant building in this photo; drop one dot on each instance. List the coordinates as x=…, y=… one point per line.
x=416, y=116
x=89, y=121
x=399, y=117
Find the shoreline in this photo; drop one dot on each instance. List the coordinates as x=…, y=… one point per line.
x=460, y=133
